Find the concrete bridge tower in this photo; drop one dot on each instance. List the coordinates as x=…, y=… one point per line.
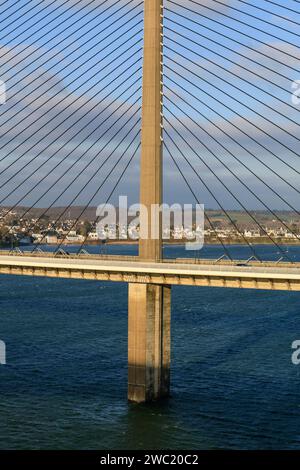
x=149, y=305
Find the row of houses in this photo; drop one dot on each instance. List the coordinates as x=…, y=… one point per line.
x=274, y=233
x=53, y=237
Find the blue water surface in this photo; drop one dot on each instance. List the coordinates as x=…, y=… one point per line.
x=65, y=382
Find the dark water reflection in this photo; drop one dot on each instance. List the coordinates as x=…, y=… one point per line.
x=64, y=387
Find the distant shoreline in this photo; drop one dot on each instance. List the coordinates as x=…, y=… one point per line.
x=251, y=241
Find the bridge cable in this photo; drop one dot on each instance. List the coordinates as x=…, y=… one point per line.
x=74, y=60
x=51, y=143
x=246, y=24
x=209, y=190
x=70, y=140
x=237, y=88
x=284, y=6
x=68, y=45
x=271, y=12
x=28, y=20
x=16, y=11
x=74, y=179
x=197, y=200
x=59, y=113
x=234, y=30
x=111, y=193
x=236, y=41
x=94, y=174
x=231, y=123
x=5, y=1
x=250, y=15
x=229, y=191
x=232, y=172
x=247, y=57
x=51, y=21
x=234, y=63
x=238, y=114
x=99, y=187
x=232, y=138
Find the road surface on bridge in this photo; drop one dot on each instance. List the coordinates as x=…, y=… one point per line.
x=264, y=276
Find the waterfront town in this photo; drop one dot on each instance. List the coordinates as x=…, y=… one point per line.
x=36, y=227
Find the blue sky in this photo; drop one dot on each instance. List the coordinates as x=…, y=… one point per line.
x=83, y=60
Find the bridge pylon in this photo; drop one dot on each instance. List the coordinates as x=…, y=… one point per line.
x=149, y=305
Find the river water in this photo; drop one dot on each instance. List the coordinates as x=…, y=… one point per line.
x=64, y=384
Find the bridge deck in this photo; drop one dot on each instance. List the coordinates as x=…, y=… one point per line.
x=280, y=276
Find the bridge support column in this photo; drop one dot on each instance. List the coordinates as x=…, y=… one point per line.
x=149, y=311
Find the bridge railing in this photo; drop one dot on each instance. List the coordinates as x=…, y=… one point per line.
x=130, y=258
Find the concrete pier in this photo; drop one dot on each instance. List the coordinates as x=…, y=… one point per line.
x=151, y=136
x=149, y=304
x=149, y=320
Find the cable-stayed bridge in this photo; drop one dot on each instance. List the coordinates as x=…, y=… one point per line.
x=182, y=100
